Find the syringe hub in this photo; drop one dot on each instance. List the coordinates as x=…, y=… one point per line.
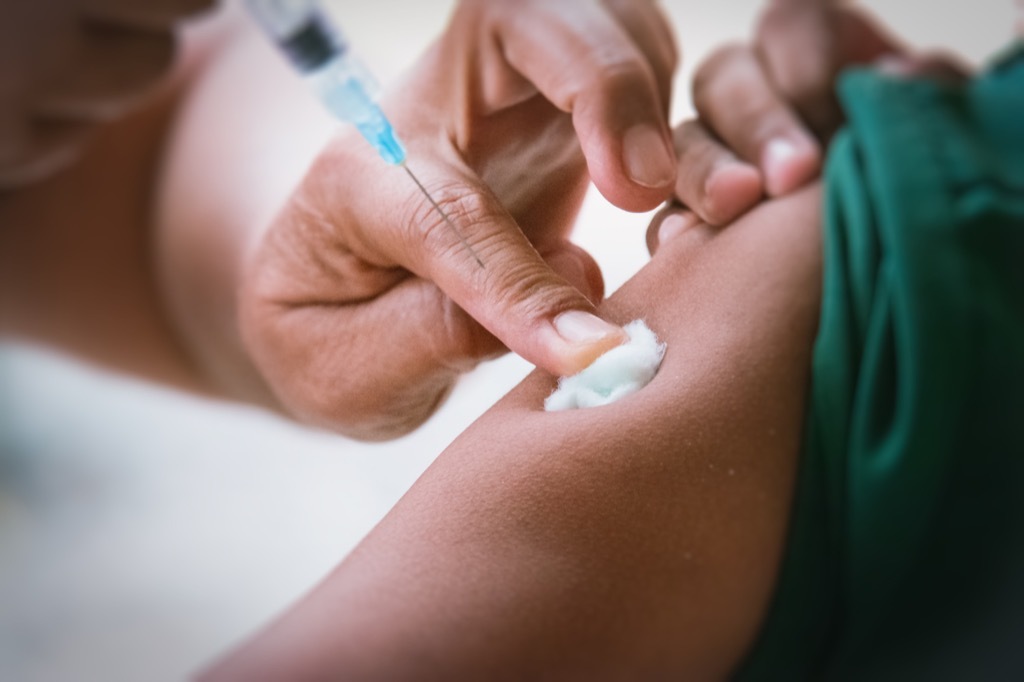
x=318, y=50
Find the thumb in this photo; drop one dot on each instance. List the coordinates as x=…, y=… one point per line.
x=511, y=291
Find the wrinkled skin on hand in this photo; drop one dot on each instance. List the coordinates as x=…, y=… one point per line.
x=360, y=306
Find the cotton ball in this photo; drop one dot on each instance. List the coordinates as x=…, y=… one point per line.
x=621, y=371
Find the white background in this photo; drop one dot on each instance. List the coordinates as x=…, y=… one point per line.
x=143, y=531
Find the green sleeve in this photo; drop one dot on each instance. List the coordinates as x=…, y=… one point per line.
x=905, y=558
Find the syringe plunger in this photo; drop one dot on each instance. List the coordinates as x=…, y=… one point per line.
x=319, y=51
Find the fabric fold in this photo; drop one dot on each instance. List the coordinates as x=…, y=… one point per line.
x=904, y=558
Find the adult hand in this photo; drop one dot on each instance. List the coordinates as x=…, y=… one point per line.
x=767, y=110
x=360, y=306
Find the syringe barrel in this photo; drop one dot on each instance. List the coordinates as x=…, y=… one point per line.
x=320, y=52
x=302, y=31
x=345, y=91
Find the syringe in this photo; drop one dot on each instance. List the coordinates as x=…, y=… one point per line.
x=317, y=49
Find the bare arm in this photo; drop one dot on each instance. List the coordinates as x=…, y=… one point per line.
x=637, y=540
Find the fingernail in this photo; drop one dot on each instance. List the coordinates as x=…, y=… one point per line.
x=577, y=326
x=649, y=162
x=674, y=225
x=731, y=188
x=777, y=161
x=590, y=335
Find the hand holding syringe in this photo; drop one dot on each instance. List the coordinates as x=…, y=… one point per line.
x=361, y=307
x=317, y=49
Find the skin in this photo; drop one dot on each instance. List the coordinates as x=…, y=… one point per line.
x=70, y=66
x=75, y=244
x=640, y=539
x=263, y=315
x=312, y=286
x=293, y=296
x=766, y=110
x=95, y=297
x=147, y=195
x=264, y=330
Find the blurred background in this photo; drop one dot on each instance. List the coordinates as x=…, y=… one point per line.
x=143, y=530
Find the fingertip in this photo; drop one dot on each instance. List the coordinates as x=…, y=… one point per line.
x=643, y=173
x=788, y=164
x=729, y=191
x=578, y=338
x=673, y=226
x=668, y=225
x=622, y=193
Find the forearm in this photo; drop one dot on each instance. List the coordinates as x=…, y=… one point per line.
x=637, y=538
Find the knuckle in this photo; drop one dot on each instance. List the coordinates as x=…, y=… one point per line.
x=805, y=84
x=427, y=231
x=529, y=291
x=698, y=155
x=741, y=106
x=708, y=159
x=731, y=81
x=763, y=121
x=617, y=57
x=744, y=111
x=685, y=134
x=708, y=74
x=617, y=75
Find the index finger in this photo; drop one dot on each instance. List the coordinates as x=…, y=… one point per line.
x=585, y=62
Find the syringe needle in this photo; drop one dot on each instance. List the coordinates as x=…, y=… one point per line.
x=444, y=215
x=317, y=49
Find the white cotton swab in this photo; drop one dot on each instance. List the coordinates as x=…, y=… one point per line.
x=620, y=372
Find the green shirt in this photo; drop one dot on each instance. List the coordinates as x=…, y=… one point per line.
x=905, y=558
